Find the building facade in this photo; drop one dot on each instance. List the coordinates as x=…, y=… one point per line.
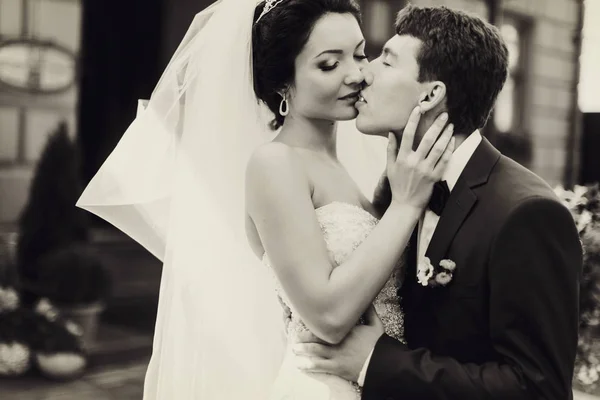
x=30, y=111
x=537, y=106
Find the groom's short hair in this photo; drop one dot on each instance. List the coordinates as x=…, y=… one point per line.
x=463, y=51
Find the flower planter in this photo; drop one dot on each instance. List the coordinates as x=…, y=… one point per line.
x=61, y=366
x=86, y=316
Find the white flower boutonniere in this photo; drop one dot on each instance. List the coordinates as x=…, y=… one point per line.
x=424, y=271
x=428, y=275
x=448, y=265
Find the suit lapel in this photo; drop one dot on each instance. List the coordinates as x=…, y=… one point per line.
x=462, y=199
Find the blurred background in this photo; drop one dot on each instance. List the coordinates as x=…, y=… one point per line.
x=78, y=298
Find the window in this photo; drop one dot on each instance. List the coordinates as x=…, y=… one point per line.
x=26, y=118
x=508, y=113
x=378, y=22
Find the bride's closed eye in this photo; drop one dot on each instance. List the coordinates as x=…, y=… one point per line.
x=328, y=67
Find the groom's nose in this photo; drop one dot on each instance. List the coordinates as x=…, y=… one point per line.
x=368, y=75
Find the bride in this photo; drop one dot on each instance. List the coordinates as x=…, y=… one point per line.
x=201, y=181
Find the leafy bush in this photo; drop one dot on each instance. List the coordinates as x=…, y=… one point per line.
x=50, y=219
x=71, y=276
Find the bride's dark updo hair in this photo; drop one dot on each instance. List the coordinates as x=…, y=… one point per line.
x=278, y=38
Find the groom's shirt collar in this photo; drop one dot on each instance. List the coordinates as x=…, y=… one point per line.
x=460, y=158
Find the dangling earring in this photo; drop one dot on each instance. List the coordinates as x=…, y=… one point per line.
x=284, y=108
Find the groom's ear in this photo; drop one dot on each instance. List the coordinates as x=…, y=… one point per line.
x=433, y=96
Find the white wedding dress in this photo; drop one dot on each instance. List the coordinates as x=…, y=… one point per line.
x=344, y=228
x=182, y=198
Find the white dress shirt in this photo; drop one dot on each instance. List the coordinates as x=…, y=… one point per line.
x=429, y=220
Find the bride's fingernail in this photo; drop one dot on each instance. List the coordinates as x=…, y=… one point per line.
x=444, y=116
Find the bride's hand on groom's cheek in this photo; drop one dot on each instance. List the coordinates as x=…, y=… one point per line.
x=346, y=359
x=412, y=174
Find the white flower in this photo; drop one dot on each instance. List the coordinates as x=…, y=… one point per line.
x=584, y=219
x=587, y=376
x=14, y=359
x=448, y=265
x=73, y=328
x=424, y=271
x=572, y=198
x=443, y=278
x=9, y=299
x=45, y=308
x=563, y=195
x=579, y=193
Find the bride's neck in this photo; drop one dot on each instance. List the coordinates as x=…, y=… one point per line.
x=316, y=135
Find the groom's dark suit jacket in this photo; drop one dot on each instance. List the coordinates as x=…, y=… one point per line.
x=506, y=326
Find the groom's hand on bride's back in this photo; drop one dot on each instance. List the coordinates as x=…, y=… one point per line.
x=412, y=174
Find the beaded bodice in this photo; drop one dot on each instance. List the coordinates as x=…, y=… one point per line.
x=345, y=227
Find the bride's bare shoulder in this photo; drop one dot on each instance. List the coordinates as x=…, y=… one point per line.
x=273, y=164
x=272, y=152
x=272, y=157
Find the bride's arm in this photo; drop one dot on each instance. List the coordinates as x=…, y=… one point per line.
x=330, y=300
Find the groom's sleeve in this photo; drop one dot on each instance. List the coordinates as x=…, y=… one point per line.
x=533, y=278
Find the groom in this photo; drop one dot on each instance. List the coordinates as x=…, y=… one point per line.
x=501, y=320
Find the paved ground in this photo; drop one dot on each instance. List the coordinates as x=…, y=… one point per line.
x=583, y=396
x=124, y=382
x=115, y=383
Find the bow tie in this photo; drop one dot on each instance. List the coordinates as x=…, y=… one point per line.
x=439, y=197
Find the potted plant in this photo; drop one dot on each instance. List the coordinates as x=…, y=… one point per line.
x=33, y=336
x=53, y=258
x=584, y=204
x=75, y=279
x=57, y=344
x=15, y=352
x=37, y=337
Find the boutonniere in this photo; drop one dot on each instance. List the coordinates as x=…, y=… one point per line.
x=429, y=275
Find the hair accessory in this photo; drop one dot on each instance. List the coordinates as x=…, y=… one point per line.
x=269, y=5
